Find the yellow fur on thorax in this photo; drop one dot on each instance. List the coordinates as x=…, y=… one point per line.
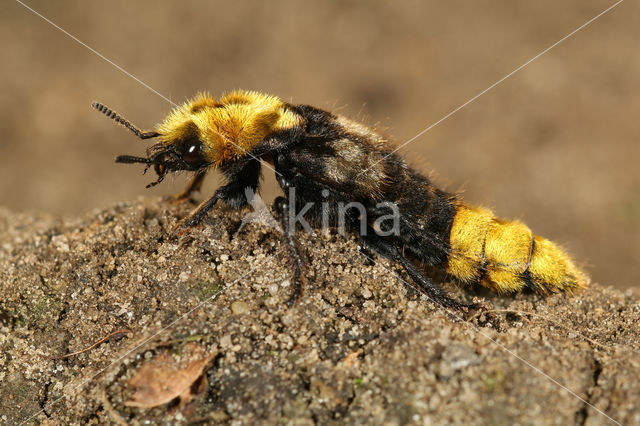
x=230, y=126
x=478, y=239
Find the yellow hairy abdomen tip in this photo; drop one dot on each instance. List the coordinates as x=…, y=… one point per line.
x=478, y=239
x=507, y=248
x=552, y=269
x=468, y=231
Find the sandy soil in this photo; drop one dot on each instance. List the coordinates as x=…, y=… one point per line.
x=359, y=346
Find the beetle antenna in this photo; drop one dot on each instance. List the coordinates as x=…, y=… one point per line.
x=130, y=159
x=115, y=116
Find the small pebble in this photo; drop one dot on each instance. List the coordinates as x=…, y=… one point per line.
x=239, y=307
x=366, y=293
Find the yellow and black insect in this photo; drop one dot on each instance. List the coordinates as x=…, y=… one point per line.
x=344, y=171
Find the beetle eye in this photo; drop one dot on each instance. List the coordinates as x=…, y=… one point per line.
x=192, y=154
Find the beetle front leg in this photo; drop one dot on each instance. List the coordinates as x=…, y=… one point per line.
x=194, y=185
x=196, y=216
x=241, y=177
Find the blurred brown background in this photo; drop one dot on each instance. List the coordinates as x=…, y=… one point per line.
x=555, y=144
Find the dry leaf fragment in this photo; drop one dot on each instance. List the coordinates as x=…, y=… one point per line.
x=164, y=378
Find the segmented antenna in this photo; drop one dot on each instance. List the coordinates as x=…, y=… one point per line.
x=114, y=115
x=129, y=159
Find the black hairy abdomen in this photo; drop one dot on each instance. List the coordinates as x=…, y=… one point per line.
x=426, y=213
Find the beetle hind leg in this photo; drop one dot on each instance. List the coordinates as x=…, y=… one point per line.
x=422, y=282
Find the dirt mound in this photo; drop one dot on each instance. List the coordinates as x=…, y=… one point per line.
x=360, y=345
